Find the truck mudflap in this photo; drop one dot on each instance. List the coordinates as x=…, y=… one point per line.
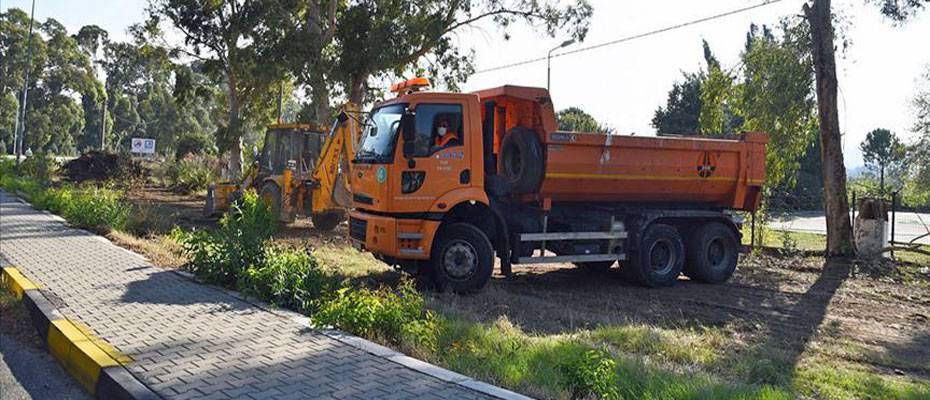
x=391, y=237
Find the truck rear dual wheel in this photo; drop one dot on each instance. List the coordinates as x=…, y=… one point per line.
x=462, y=258
x=659, y=259
x=713, y=251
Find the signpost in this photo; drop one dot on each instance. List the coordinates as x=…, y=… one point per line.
x=142, y=146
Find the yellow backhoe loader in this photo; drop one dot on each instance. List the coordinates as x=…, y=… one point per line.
x=301, y=170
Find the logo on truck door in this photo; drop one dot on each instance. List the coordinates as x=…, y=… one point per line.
x=707, y=164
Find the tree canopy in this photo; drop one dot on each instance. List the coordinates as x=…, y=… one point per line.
x=574, y=119
x=882, y=150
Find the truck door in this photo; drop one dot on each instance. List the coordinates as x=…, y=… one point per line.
x=438, y=164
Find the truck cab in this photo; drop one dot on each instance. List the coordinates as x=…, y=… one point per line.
x=444, y=182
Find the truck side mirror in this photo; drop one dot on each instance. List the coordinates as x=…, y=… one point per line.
x=408, y=130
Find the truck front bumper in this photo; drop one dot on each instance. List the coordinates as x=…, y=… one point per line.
x=391, y=237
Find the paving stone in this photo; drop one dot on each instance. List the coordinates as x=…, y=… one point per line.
x=189, y=340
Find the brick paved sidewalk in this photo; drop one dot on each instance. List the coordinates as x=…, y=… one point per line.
x=193, y=341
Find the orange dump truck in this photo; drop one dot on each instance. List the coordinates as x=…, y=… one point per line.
x=446, y=182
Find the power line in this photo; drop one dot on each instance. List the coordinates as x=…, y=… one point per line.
x=629, y=38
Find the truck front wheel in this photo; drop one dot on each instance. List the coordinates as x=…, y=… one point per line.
x=712, y=253
x=659, y=258
x=462, y=259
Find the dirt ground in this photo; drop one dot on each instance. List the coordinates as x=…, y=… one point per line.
x=788, y=308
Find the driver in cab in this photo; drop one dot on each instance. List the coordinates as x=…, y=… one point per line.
x=444, y=135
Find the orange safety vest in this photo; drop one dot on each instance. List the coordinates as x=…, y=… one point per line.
x=444, y=140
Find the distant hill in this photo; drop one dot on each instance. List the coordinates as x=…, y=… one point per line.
x=855, y=172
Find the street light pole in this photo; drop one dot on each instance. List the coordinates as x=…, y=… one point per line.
x=549, y=61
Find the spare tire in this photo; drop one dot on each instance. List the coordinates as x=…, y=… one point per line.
x=522, y=163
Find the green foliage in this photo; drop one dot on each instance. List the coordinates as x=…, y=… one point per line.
x=574, y=119
x=192, y=173
x=87, y=206
x=194, y=144
x=91, y=206
x=395, y=315
x=39, y=167
x=591, y=374
x=223, y=255
x=287, y=278
x=883, y=151
x=682, y=109
x=773, y=93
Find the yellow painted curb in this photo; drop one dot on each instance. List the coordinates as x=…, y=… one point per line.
x=81, y=353
x=18, y=283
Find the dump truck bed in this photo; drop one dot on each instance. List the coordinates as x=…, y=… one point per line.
x=588, y=167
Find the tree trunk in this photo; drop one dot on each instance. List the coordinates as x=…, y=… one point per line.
x=357, y=90
x=881, y=181
x=839, y=230
x=319, y=91
x=234, y=134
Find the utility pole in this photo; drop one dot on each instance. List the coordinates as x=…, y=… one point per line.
x=20, y=128
x=549, y=61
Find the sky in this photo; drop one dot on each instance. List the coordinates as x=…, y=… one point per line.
x=622, y=85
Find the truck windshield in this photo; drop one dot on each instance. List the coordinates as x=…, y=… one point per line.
x=380, y=135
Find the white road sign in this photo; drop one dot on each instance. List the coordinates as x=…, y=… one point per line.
x=144, y=146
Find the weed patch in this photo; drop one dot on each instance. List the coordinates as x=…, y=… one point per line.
x=221, y=256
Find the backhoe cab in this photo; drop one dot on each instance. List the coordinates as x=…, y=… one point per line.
x=299, y=172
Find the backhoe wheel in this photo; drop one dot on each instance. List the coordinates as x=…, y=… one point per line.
x=595, y=266
x=327, y=221
x=713, y=251
x=462, y=259
x=659, y=258
x=522, y=160
x=271, y=195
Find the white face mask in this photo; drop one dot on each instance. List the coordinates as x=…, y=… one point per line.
x=441, y=131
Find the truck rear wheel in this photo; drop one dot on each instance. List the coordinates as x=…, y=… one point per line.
x=712, y=253
x=522, y=160
x=462, y=258
x=659, y=258
x=327, y=221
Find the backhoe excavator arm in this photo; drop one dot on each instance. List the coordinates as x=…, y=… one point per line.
x=333, y=166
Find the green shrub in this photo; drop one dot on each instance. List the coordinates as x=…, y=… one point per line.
x=591, y=375
x=191, y=173
x=396, y=316
x=287, y=278
x=221, y=256
x=93, y=207
x=192, y=143
x=39, y=167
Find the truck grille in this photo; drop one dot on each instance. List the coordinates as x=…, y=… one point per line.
x=357, y=228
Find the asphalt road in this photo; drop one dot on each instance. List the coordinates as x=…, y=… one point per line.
x=28, y=372
x=907, y=225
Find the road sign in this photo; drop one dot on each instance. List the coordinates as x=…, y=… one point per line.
x=143, y=146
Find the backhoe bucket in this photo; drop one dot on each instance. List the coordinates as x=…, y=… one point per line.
x=219, y=197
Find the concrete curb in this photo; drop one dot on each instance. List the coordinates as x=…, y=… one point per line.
x=96, y=365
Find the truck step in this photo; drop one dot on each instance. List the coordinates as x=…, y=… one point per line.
x=571, y=258
x=533, y=237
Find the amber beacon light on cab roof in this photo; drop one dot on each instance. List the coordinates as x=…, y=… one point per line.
x=446, y=182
